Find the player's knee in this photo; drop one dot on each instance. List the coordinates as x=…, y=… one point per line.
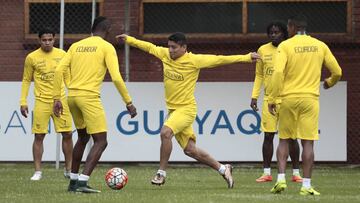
x=39, y=137
x=166, y=133
x=67, y=136
x=269, y=137
x=190, y=150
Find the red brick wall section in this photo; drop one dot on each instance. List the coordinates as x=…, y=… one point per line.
x=145, y=67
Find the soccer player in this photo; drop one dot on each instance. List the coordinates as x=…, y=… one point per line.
x=88, y=61
x=181, y=70
x=40, y=66
x=296, y=79
x=277, y=33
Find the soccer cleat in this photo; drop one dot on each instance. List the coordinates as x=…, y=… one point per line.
x=84, y=188
x=228, y=175
x=158, y=179
x=309, y=191
x=67, y=174
x=297, y=179
x=278, y=187
x=264, y=178
x=37, y=175
x=72, y=186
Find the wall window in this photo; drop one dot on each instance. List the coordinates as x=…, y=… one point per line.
x=240, y=17
x=39, y=13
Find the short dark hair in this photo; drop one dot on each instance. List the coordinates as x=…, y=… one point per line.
x=280, y=25
x=101, y=23
x=178, y=37
x=46, y=30
x=299, y=21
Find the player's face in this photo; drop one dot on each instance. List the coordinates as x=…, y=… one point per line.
x=275, y=35
x=47, y=42
x=291, y=28
x=176, y=50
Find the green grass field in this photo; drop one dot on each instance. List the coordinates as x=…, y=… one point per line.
x=185, y=183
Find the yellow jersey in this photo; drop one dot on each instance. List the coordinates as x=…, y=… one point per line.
x=297, y=68
x=40, y=66
x=264, y=70
x=88, y=60
x=180, y=75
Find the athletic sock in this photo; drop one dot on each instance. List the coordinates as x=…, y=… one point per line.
x=83, y=177
x=281, y=177
x=222, y=169
x=267, y=171
x=306, y=183
x=74, y=176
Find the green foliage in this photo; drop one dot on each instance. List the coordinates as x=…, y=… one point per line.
x=185, y=183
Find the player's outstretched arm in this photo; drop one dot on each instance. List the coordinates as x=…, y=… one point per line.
x=211, y=61
x=148, y=47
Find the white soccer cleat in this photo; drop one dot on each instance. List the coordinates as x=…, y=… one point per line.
x=37, y=175
x=228, y=176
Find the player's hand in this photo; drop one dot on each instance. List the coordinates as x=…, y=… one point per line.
x=58, y=108
x=132, y=110
x=121, y=38
x=272, y=109
x=326, y=85
x=255, y=56
x=253, y=104
x=24, y=110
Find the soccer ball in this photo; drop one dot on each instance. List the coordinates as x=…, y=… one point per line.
x=116, y=178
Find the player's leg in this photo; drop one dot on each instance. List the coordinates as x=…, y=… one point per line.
x=38, y=149
x=42, y=112
x=308, y=132
x=203, y=157
x=63, y=124
x=287, y=130
x=67, y=148
x=100, y=144
x=267, y=152
x=269, y=127
x=95, y=121
x=80, y=145
x=166, y=135
x=176, y=121
x=294, y=151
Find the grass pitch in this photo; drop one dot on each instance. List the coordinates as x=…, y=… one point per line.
x=185, y=183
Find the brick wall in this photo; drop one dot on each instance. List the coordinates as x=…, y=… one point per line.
x=13, y=49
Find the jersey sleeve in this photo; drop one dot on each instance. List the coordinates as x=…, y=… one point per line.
x=148, y=47
x=259, y=78
x=62, y=73
x=332, y=65
x=112, y=65
x=26, y=81
x=210, y=61
x=277, y=77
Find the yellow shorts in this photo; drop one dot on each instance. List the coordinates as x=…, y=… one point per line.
x=269, y=121
x=42, y=113
x=180, y=121
x=299, y=118
x=88, y=112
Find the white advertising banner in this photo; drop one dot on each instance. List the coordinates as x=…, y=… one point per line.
x=225, y=126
